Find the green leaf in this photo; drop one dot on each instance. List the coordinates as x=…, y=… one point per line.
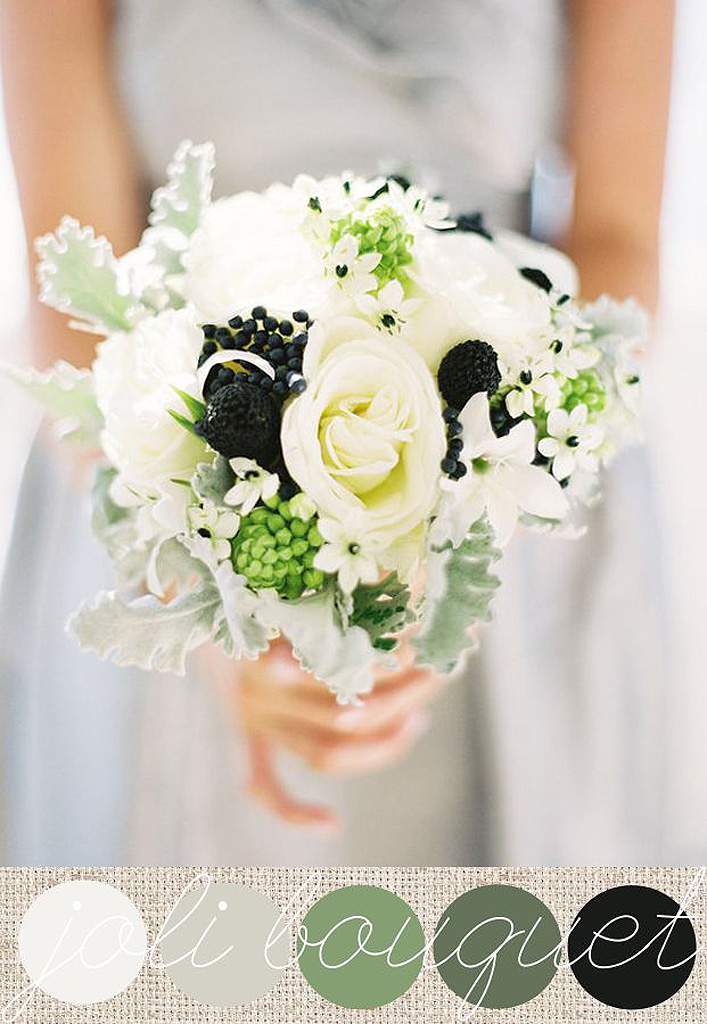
x=460, y=589
x=180, y=203
x=382, y=609
x=341, y=657
x=144, y=632
x=66, y=393
x=79, y=275
x=213, y=479
x=195, y=407
x=183, y=421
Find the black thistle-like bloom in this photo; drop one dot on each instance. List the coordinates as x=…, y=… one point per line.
x=242, y=419
x=468, y=368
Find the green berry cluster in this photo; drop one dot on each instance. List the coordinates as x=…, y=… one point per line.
x=384, y=233
x=274, y=548
x=586, y=388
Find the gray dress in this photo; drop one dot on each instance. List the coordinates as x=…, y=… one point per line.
x=549, y=748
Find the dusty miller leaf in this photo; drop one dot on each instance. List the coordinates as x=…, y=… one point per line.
x=241, y=632
x=66, y=393
x=212, y=479
x=144, y=632
x=180, y=203
x=342, y=658
x=78, y=274
x=382, y=610
x=460, y=589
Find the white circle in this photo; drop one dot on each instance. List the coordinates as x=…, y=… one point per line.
x=85, y=959
x=223, y=905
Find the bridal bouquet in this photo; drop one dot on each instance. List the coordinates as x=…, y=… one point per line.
x=306, y=395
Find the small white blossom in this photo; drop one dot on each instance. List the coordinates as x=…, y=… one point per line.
x=572, y=442
x=253, y=484
x=418, y=207
x=349, y=551
x=532, y=377
x=221, y=524
x=567, y=357
x=352, y=271
x=500, y=480
x=389, y=307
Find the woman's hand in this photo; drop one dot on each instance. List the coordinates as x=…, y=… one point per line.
x=279, y=706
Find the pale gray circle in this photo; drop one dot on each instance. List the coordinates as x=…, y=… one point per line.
x=209, y=920
x=82, y=942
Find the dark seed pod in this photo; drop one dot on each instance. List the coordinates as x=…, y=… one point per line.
x=538, y=277
x=241, y=419
x=469, y=367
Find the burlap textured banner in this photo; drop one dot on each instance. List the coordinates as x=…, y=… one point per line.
x=153, y=997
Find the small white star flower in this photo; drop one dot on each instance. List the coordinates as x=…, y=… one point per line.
x=572, y=442
x=389, y=307
x=415, y=204
x=349, y=552
x=221, y=525
x=500, y=480
x=253, y=484
x=568, y=358
x=532, y=377
x=353, y=272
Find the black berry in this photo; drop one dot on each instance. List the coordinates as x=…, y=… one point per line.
x=538, y=277
x=469, y=367
x=241, y=419
x=473, y=222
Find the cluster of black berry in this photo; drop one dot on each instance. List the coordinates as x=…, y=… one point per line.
x=468, y=368
x=280, y=342
x=451, y=463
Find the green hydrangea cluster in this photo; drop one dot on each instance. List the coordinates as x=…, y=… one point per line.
x=586, y=388
x=383, y=232
x=274, y=548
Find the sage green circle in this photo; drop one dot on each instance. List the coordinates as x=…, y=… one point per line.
x=355, y=916
x=471, y=935
x=225, y=918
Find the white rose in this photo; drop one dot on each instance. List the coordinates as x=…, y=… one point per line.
x=470, y=289
x=367, y=436
x=135, y=375
x=247, y=251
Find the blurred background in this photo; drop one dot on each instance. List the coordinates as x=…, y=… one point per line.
x=674, y=408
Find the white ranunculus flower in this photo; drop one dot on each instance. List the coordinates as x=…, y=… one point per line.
x=367, y=436
x=247, y=251
x=472, y=290
x=135, y=375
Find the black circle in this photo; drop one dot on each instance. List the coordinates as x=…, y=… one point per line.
x=631, y=947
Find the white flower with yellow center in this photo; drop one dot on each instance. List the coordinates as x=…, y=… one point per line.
x=367, y=435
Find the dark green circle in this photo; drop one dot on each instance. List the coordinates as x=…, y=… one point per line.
x=366, y=982
x=458, y=945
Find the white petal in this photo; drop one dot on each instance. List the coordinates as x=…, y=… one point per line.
x=328, y=558
x=548, y=446
x=563, y=464
x=558, y=423
x=503, y=514
x=476, y=422
x=348, y=577
x=538, y=492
